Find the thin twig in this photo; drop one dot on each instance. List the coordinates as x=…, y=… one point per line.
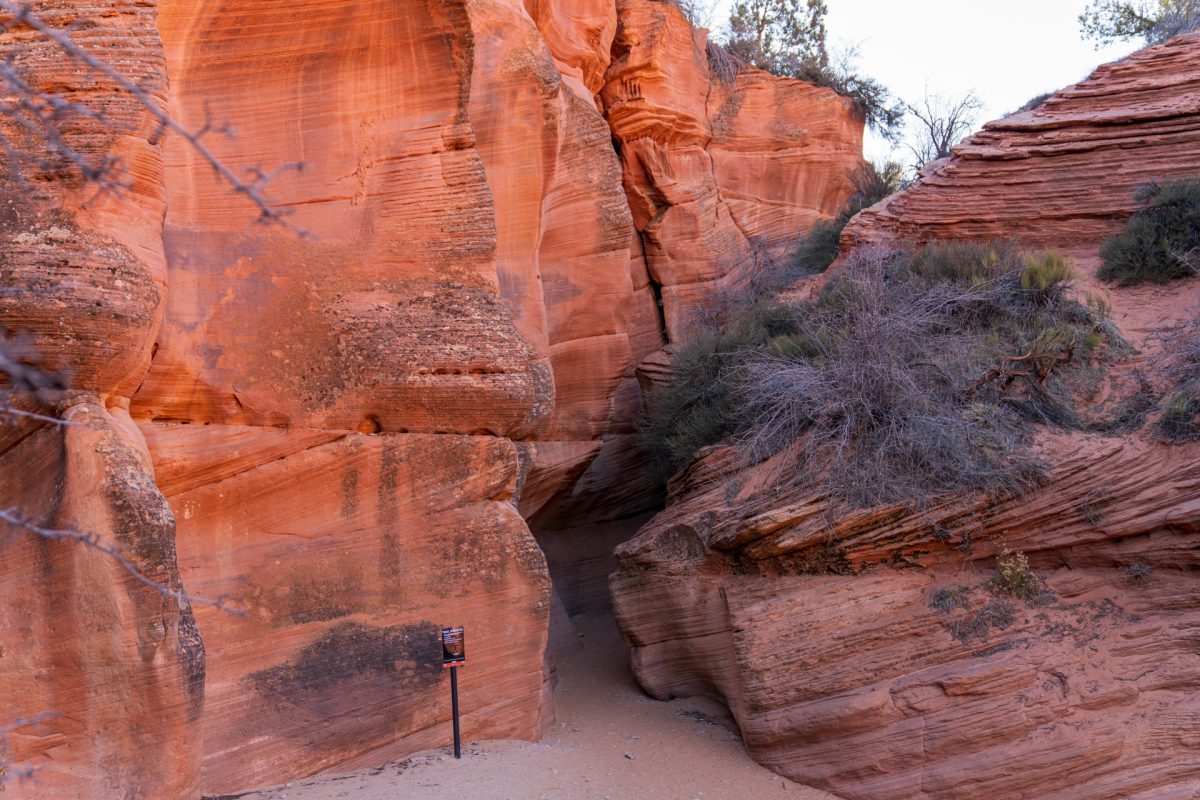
x=93, y=541
x=9, y=771
x=57, y=106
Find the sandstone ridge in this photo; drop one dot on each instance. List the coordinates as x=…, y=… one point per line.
x=863, y=651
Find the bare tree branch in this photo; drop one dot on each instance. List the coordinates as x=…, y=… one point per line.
x=10, y=772
x=1152, y=21
x=938, y=124
x=14, y=517
x=16, y=356
x=41, y=113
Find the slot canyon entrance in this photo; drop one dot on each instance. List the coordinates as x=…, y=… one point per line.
x=610, y=740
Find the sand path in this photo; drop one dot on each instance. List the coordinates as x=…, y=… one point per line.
x=611, y=742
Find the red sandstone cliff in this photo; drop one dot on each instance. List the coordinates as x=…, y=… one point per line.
x=818, y=627
x=352, y=433
x=122, y=665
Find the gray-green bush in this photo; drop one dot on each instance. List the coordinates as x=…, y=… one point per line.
x=698, y=407
x=910, y=375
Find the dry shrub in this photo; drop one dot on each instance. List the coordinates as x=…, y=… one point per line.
x=698, y=407
x=1137, y=572
x=1178, y=18
x=1013, y=576
x=723, y=65
x=1180, y=419
x=878, y=378
x=1183, y=356
x=1034, y=102
x=947, y=599
x=873, y=381
x=995, y=615
x=698, y=13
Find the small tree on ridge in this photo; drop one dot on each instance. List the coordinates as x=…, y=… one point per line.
x=1153, y=21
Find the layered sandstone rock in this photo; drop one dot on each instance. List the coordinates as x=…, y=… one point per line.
x=1063, y=174
x=824, y=632
x=298, y=384
x=347, y=429
x=718, y=177
x=867, y=651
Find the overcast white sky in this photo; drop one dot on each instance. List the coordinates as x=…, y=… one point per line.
x=1008, y=52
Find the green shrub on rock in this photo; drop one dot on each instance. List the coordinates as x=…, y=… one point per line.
x=1013, y=576
x=872, y=183
x=1161, y=241
x=970, y=264
x=1046, y=276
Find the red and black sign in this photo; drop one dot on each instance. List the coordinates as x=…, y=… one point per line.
x=454, y=653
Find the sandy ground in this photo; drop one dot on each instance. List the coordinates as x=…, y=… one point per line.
x=612, y=743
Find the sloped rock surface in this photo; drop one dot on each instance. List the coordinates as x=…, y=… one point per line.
x=1063, y=174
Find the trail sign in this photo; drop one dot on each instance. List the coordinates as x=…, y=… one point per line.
x=454, y=655
x=454, y=652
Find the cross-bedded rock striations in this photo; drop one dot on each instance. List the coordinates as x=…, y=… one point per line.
x=871, y=652
x=865, y=653
x=349, y=433
x=115, y=667
x=1064, y=173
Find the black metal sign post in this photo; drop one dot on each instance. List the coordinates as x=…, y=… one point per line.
x=454, y=655
x=454, y=711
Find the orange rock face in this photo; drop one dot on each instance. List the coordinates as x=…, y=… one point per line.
x=353, y=433
x=317, y=491
x=867, y=652
x=117, y=667
x=719, y=175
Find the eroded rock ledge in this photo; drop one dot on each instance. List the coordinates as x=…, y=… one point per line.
x=1064, y=173
x=824, y=635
